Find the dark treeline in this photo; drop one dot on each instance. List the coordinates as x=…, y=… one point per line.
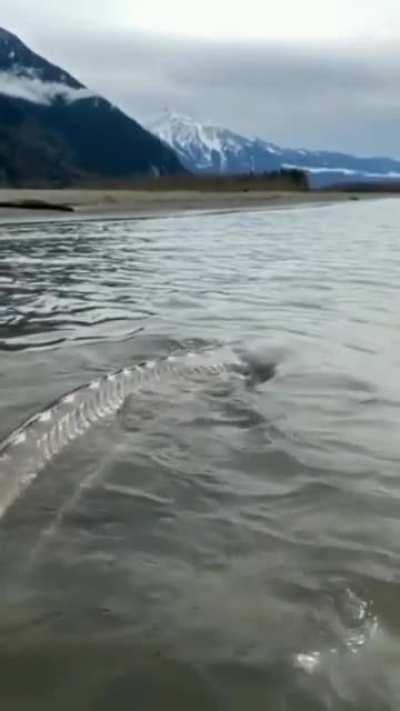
x=383, y=186
x=292, y=180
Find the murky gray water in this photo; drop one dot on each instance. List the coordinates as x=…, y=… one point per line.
x=217, y=544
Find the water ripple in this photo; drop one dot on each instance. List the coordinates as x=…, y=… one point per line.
x=231, y=543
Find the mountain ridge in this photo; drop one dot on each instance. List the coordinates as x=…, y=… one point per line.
x=206, y=148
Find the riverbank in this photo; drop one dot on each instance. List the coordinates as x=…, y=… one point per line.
x=33, y=205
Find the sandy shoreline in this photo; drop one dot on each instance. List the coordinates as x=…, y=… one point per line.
x=110, y=204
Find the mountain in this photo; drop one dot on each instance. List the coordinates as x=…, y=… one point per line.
x=204, y=148
x=53, y=130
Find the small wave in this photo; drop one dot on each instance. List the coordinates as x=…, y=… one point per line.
x=358, y=625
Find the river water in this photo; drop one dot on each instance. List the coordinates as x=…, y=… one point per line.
x=219, y=543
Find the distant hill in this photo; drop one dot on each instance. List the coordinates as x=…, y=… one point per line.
x=204, y=148
x=53, y=130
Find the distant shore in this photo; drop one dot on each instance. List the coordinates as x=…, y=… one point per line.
x=61, y=205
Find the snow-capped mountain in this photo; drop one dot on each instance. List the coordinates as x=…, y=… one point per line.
x=204, y=148
x=55, y=130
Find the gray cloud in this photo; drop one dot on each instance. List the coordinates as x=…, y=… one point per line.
x=333, y=96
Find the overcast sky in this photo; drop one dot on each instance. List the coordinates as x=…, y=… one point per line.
x=315, y=73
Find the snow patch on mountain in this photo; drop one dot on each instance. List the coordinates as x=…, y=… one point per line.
x=341, y=171
x=30, y=87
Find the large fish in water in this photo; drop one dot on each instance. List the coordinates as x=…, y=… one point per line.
x=29, y=448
